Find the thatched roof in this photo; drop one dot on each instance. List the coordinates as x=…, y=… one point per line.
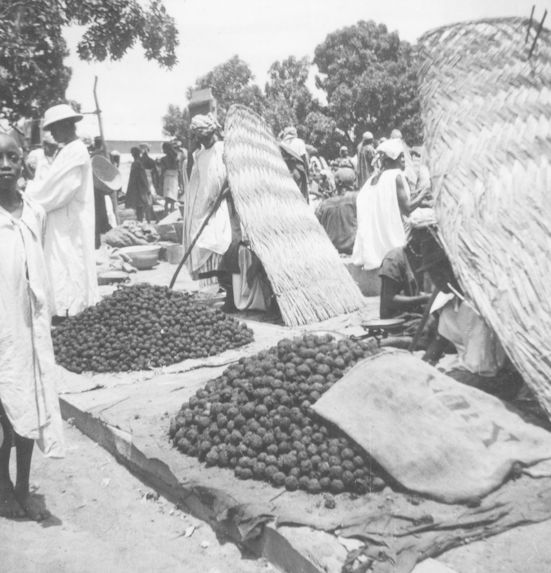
x=487, y=112
x=307, y=275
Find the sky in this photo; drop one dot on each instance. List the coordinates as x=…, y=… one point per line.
x=134, y=93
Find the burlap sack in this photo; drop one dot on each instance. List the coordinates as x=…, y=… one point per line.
x=432, y=434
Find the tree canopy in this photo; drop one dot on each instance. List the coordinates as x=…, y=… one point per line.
x=176, y=122
x=32, y=47
x=288, y=100
x=232, y=82
x=367, y=75
x=370, y=78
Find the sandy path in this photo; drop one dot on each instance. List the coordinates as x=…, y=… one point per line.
x=106, y=522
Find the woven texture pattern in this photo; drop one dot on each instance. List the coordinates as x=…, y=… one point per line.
x=306, y=273
x=487, y=113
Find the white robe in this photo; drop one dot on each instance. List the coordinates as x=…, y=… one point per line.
x=380, y=224
x=207, y=179
x=67, y=196
x=478, y=348
x=28, y=372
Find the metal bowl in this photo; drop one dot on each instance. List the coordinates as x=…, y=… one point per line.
x=143, y=257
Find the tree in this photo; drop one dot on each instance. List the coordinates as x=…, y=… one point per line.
x=369, y=76
x=288, y=99
x=232, y=82
x=321, y=132
x=176, y=122
x=32, y=73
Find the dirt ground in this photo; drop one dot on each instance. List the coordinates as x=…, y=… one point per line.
x=105, y=520
x=521, y=550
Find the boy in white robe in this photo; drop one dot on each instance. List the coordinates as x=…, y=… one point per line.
x=29, y=407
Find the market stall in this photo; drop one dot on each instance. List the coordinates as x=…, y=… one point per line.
x=309, y=445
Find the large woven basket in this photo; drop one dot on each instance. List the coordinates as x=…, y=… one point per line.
x=487, y=113
x=307, y=275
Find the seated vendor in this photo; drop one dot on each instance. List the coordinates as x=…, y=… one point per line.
x=480, y=361
x=400, y=289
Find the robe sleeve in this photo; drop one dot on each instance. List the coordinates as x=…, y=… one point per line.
x=57, y=192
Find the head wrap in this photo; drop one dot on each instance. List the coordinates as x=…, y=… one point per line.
x=204, y=125
x=367, y=136
x=290, y=132
x=396, y=134
x=392, y=148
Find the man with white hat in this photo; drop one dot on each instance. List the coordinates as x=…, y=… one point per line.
x=67, y=196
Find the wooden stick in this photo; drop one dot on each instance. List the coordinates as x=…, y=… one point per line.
x=530, y=23
x=423, y=322
x=199, y=232
x=540, y=28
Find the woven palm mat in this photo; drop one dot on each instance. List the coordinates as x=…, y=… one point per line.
x=307, y=275
x=486, y=106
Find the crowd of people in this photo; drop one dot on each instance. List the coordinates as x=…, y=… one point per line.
x=395, y=236
x=151, y=179
x=350, y=172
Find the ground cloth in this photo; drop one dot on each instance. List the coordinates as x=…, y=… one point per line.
x=398, y=529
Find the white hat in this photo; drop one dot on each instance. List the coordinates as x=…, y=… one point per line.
x=59, y=113
x=392, y=148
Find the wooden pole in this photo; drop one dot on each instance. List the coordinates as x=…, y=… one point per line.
x=540, y=28
x=196, y=238
x=114, y=198
x=98, y=114
x=530, y=24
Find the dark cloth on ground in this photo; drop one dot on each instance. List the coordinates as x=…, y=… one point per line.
x=505, y=385
x=337, y=216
